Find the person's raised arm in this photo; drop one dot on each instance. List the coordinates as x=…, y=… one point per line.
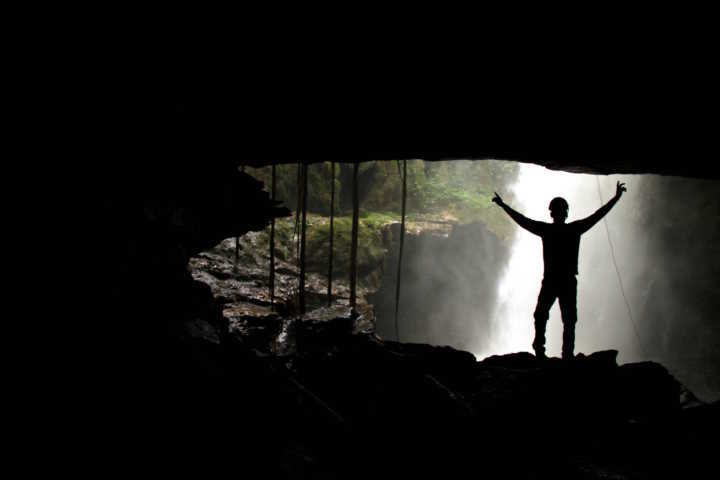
x=587, y=223
x=532, y=226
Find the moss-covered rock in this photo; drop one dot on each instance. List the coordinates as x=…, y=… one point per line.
x=439, y=195
x=371, y=247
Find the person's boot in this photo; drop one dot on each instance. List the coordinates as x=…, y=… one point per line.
x=539, y=340
x=568, y=347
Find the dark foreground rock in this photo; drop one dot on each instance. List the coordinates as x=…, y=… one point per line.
x=343, y=404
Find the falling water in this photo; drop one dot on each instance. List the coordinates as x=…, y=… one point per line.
x=603, y=319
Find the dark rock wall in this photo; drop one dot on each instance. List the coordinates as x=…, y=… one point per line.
x=151, y=226
x=680, y=300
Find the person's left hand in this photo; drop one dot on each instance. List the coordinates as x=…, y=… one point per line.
x=498, y=200
x=620, y=188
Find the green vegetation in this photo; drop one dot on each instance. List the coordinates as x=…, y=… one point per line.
x=371, y=248
x=461, y=190
x=453, y=191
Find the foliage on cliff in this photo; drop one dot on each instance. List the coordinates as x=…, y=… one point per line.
x=460, y=190
x=439, y=193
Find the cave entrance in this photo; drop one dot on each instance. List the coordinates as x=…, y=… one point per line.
x=647, y=279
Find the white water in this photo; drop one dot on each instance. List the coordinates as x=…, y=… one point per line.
x=603, y=320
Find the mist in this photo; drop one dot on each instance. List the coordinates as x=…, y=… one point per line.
x=655, y=300
x=449, y=270
x=447, y=289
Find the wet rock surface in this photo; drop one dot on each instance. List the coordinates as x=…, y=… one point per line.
x=241, y=289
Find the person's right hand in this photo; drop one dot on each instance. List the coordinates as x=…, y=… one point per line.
x=498, y=200
x=619, y=189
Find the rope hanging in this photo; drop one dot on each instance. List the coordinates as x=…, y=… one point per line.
x=272, y=242
x=302, y=236
x=237, y=239
x=617, y=272
x=402, y=240
x=296, y=231
x=354, y=241
x=332, y=221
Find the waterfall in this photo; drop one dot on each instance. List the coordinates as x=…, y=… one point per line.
x=603, y=321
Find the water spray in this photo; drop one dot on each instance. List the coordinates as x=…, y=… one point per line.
x=617, y=272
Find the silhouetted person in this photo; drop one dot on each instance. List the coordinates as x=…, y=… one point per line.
x=561, y=243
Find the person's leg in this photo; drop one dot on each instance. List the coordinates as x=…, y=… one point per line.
x=568, y=310
x=542, y=313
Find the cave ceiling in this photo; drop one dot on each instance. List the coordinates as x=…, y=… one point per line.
x=632, y=127
x=622, y=141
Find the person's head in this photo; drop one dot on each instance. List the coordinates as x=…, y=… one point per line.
x=559, y=209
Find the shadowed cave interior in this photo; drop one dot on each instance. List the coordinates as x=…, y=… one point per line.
x=334, y=378
x=201, y=383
